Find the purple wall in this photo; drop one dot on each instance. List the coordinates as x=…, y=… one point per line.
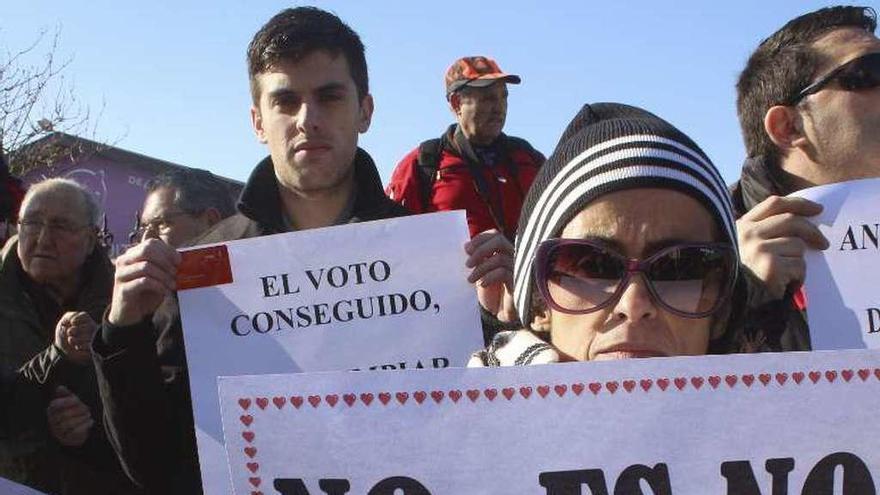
x=120, y=189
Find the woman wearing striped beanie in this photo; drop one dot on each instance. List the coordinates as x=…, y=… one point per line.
x=626, y=247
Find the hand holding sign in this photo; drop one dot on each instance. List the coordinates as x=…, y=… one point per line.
x=773, y=237
x=490, y=255
x=145, y=276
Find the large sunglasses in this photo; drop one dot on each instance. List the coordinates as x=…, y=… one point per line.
x=578, y=276
x=858, y=74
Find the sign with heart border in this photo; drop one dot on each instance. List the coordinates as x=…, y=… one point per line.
x=690, y=425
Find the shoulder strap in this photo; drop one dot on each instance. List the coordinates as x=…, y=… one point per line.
x=427, y=166
x=515, y=143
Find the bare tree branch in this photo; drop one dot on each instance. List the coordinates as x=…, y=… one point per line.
x=37, y=101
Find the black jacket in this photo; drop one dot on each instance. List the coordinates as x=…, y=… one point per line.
x=20, y=395
x=777, y=325
x=142, y=371
x=28, y=316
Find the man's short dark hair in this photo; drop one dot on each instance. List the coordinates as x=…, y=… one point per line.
x=195, y=190
x=293, y=34
x=783, y=65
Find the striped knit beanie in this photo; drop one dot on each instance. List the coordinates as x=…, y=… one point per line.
x=609, y=147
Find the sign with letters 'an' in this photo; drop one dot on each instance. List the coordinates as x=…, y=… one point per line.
x=760, y=424
x=843, y=298
x=387, y=295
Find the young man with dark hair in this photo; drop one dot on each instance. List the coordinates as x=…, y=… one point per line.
x=311, y=101
x=475, y=167
x=809, y=105
x=181, y=205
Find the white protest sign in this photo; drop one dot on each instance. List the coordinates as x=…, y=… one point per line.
x=843, y=301
x=698, y=426
x=390, y=294
x=11, y=488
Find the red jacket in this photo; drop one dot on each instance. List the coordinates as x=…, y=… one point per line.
x=505, y=183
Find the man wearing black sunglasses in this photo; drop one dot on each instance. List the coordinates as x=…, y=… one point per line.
x=809, y=106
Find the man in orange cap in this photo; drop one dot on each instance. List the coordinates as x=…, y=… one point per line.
x=473, y=165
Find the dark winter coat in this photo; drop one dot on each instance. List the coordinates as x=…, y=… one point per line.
x=142, y=370
x=28, y=316
x=781, y=324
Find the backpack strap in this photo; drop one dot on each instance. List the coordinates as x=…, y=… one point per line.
x=515, y=143
x=427, y=166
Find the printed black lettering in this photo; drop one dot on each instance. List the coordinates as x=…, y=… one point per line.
x=380, y=271
x=337, y=277
x=570, y=482
x=657, y=478
x=389, y=486
x=420, y=300
x=741, y=479
x=398, y=303
x=255, y=322
x=869, y=232
x=286, y=284
x=287, y=318
x=305, y=318
x=269, y=286
x=234, y=325
x=321, y=314
x=358, y=274
x=297, y=487
x=856, y=476
x=850, y=239
x=316, y=281
x=873, y=320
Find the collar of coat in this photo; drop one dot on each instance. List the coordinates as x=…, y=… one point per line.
x=758, y=181
x=461, y=146
x=260, y=200
x=94, y=294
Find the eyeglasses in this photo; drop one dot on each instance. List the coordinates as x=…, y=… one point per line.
x=161, y=224
x=856, y=75
x=577, y=276
x=30, y=227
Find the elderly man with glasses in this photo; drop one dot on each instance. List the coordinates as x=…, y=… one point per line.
x=55, y=282
x=809, y=107
x=181, y=206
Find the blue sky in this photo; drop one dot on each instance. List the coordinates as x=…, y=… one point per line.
x=172, y=80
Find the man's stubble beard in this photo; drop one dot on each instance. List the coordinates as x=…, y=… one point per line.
x=304, y=185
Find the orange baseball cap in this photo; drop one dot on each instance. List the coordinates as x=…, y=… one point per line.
x=476, y=72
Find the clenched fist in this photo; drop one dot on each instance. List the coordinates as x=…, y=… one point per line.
x=73, y=334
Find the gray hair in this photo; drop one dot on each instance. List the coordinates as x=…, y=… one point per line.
x=49, y=186
x=195, y=190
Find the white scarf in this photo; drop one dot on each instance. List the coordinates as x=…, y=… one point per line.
x=514, y=348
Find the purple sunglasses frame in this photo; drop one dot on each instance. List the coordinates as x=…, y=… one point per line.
x=633, y=265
